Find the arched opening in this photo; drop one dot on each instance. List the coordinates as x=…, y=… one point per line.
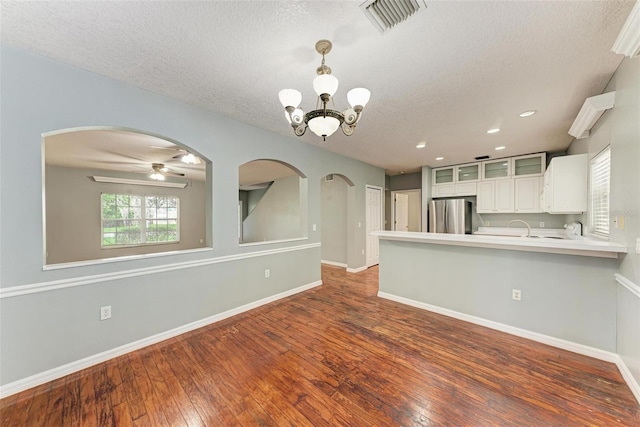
x=114, y=192
x=336, y=190
x=272, y=202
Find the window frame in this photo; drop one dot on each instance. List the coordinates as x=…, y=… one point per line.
x=143, y=221
x=600, y=194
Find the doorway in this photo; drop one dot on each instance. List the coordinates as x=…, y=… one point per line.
x=406, y=210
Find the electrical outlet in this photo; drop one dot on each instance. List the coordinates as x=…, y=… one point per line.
x=313, y=227
x=267, y=273
x=105, y=312
x=516, y=294
x=638, y=245
x=363, y=252
x=359, y=225
x=541, y=224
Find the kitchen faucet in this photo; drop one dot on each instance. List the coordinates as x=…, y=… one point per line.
x=524, y=222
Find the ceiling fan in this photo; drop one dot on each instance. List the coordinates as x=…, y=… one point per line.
x=160, y=171
x=183, y=155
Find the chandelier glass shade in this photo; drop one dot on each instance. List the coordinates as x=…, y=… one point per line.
x=324, y=121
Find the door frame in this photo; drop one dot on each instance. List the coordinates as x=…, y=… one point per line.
x=366, y=222
x=393, y=205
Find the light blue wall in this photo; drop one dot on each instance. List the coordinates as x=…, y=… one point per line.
x=277, y=215
x=620, y=128
x=44, y=330
x=334, y=220
x=563, y=296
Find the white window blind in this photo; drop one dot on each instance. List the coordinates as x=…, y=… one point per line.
x=600, y=172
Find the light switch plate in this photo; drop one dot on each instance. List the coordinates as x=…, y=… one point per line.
x=638, y=245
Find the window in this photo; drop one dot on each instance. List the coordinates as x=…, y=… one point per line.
x=599, y=171
x=130, y=220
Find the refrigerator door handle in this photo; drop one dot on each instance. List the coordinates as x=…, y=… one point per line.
x=445, y=210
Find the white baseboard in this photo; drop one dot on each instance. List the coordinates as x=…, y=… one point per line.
x=69, y=368
x=628, y=377
x=335, y=264
x=585, y=350
x=357, y=269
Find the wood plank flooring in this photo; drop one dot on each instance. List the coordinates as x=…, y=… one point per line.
x=335, y=355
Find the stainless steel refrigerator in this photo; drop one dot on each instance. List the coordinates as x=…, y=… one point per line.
x=450, y=216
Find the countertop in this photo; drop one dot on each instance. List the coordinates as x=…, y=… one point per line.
x=582, y=247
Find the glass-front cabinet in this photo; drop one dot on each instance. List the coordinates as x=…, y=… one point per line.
x=530, y=165
x=470, y=172
x=496, y=169
x=443, y=175
x=459, y=173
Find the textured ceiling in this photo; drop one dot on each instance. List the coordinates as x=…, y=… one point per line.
x=444, y=76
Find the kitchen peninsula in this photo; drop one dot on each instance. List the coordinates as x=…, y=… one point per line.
x=567, y=287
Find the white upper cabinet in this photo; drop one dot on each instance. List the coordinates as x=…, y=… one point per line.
x=565, y=184
x=459, y=180
x=496, y=169
x=468, y=172
x=530, y=165
x=495, y=196
x=527, y=194
x=443, y=175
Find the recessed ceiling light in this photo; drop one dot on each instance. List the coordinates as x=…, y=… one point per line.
x=439, y=158
x=502, y=147
x=494, y=130
x=527, y=113
x=421, y=144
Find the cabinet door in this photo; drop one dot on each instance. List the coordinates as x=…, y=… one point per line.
x=503, y=195
x=443, y=175
x=496, y=169
x=445, y=190
x=465, y=189
x=470, y=172
x=527, y=195
x=484, y=201
x=531, y=165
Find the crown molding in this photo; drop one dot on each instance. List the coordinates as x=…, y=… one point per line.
x=628, y=41
x=592, y=109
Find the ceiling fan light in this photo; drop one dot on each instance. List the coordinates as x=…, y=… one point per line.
x=358, y=96
x=157, y=176
x=189, y=159
x=325, y=83
x=324, y=126
x=290, y=98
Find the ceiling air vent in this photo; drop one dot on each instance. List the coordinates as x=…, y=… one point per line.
x=482, y=157
x=386, y=14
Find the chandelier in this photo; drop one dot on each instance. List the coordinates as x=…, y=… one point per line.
x=324, y=121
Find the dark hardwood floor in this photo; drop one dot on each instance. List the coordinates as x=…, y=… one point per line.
x=335, y=355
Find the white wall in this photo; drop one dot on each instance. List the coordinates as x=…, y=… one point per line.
x=620, y=127
x=73, y=215
x=49, y=318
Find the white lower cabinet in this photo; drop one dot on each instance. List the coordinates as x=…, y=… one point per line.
x=527, y=194
x=495, y=196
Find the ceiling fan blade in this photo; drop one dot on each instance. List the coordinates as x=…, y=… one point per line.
x=173, y=173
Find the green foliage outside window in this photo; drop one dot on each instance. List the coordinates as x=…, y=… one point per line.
x=130, y=220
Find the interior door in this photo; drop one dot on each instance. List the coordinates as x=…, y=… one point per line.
x=401, y=212
x=373, y=223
